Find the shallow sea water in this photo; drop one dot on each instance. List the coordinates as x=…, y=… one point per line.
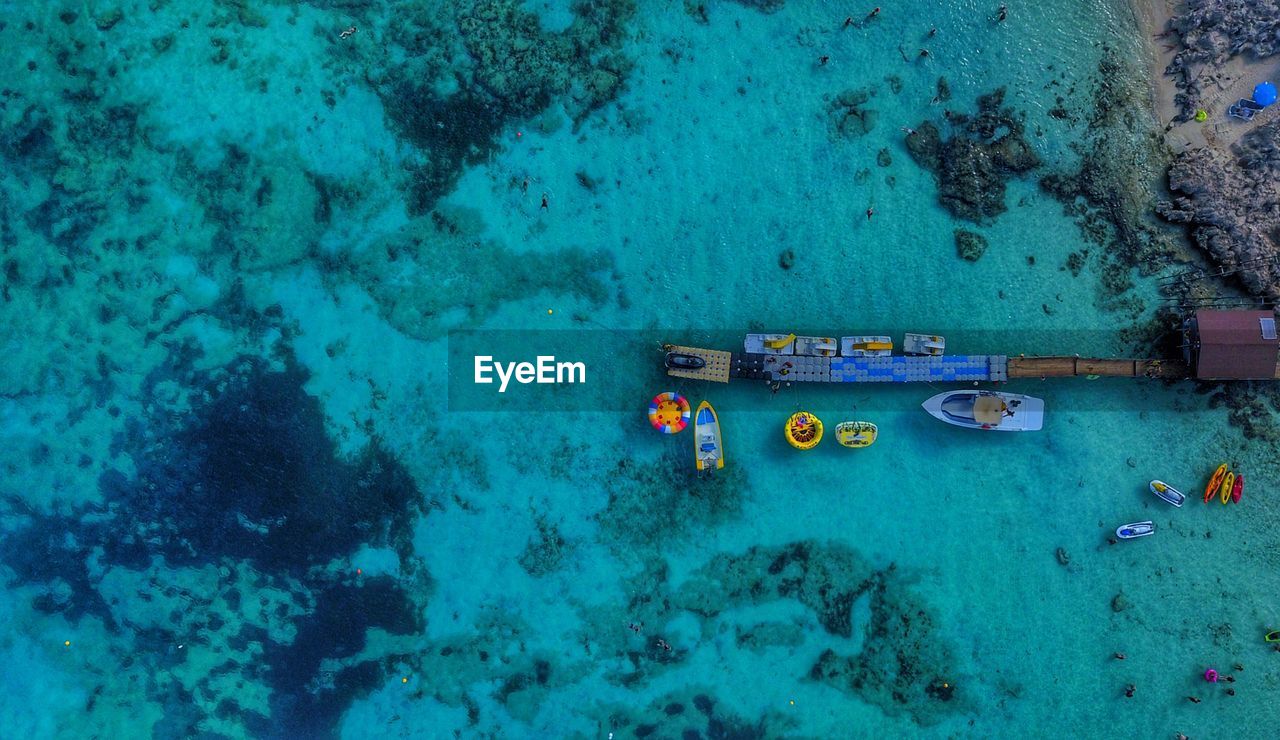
x=243, y=482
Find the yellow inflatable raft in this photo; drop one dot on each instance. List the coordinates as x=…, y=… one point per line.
x=803, y=430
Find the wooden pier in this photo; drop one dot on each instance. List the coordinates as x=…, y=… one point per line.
x=1068, y=367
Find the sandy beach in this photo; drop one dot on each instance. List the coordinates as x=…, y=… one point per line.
x=1225, y=84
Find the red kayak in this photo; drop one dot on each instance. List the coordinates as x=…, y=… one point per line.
x=1237, y=489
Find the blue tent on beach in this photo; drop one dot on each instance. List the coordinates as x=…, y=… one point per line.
x=1264, y=94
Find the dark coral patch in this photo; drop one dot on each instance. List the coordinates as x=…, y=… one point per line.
x=258, y=478
x=972, y=166
x=249, y=474
x=334, y=629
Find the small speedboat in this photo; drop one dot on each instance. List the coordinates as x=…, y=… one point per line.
x=682, y=361
x=1168, y=493
x=856, y=434
x=1215, y=482
x=1003, y=412
x=1237, y=489
x=708, y=449
x=1135, y=530
x=1224, y=490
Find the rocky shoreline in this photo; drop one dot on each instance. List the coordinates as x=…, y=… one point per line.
x=1223, y=191
x=1210, y=33
x=1230, y=203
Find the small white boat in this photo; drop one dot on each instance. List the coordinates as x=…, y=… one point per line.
x=816, y=346
x=856, y=434
x=1168, y=493
x=708, y=450
x=1135, y=530
x=1002, y=412
x=929, y=345
x=866, y=346
x=770, y=344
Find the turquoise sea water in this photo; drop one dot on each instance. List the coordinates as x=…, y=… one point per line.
x=243, y=496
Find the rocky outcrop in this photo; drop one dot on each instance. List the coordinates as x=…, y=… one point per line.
x=1232, y=206
x=851, y=116
x=969, y=245
x=973, y=165
x=1213, y=31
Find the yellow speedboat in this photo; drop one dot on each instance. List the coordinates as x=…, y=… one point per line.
x=856, y=434
x=803, y=430
x=708, y=450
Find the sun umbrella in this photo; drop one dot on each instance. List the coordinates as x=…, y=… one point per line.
x=1264, y=94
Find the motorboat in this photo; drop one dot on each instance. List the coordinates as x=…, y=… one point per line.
x=1135, y=530
x=1002, y=412
x=1168, y=493
x=708, y=448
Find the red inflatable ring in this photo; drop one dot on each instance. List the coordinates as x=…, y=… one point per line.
x=669, y=413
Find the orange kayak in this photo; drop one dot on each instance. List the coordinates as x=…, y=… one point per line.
x=1215, y=482
x=1224, y=491
x=1237, y=489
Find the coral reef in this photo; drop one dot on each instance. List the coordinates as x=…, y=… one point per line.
x=970, y=245
x=266, y=506
x=440, y=263
x=545, y=553
x=1232, y=207
x=466, y=71
x=650, y=503
x=689, y=715
x=1111, y=193
x=902, y=662
x=1212, y=32
x=851, y=118
x=972, y=166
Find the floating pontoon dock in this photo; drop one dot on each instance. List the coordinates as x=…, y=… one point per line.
x=1217, y=344
x=722, y=366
